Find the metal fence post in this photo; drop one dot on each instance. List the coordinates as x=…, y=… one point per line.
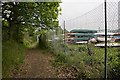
x=105, y=75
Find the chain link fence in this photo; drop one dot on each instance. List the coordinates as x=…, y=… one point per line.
x=82, y=41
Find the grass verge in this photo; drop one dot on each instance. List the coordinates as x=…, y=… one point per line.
x=12, y=56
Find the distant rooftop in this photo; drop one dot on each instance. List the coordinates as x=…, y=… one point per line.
x=83, y=31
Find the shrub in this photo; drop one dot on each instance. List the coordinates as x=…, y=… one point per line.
x=114, y=63
x=90, y=66
x=59, y=60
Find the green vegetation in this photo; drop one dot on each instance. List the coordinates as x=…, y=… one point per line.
x=114, y=63
x=90, y=66
x=22, y=22
x=60, y=60
x=31, y=17
x=12, y=56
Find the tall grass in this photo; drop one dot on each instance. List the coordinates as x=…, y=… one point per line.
x=90, y=66
x=12, y=57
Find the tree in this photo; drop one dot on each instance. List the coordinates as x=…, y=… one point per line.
x=23, y=17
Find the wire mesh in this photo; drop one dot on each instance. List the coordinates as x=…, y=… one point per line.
x=85, y=41
x=95, y=20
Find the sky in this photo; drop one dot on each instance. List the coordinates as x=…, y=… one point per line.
x=75, y=8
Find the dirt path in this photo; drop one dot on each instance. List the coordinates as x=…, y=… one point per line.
x=37, y=65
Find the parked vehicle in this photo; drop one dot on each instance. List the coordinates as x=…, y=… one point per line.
x=108, y=44
x=116, y=37
x=113, y=39
x=100, y=37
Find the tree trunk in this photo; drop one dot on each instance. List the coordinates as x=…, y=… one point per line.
x=10, y=31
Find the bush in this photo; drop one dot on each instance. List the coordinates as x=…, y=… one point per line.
x=114, y=63
x=60, y=59
x=90, y=66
